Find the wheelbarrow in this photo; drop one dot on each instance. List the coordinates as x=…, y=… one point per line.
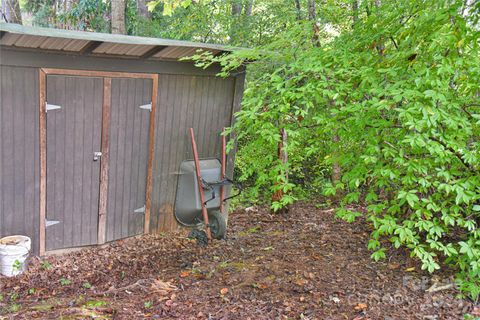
x=200, y=200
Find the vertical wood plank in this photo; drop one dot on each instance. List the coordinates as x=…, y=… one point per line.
x=77, y=212
x=159, y=161
x=119, y=104
x=3, y=101
x=8, y=137
x=169, y=84
x=43, y=158
x=113, y=160
x=102, y=212
x=137, y=197
x=88, y=149
x=151, y=133
x=126, y=207
x=95, y=178
x=18, y=154
x=59, y=152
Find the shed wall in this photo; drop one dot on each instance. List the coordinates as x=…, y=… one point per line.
x=19, y=152
x=191, y=98
x=203, y=103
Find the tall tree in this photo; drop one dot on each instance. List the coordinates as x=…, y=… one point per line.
x=11, y=11
x=298, y=8
x=312, y=12
x=241, y=10
x=355, y=11
x=142, y=9
x=118, y=16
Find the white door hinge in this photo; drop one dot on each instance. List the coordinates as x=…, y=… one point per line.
x=49, y=223
x=49, y=106
x=140, y=210
x=146, y=106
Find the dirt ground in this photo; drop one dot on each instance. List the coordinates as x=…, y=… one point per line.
x=306, y=265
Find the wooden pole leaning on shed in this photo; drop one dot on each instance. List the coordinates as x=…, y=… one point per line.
x=199, y=183
x=224, y=164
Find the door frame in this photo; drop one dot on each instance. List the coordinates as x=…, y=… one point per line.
x=107, y=82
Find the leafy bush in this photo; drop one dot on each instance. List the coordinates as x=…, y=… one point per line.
x=395, y=102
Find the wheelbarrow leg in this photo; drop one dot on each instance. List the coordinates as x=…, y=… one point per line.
x=200, y=188
x=224, y=160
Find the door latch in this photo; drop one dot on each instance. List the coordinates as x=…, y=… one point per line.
x=97, y=155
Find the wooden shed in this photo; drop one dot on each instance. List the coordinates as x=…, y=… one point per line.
x=93, y=128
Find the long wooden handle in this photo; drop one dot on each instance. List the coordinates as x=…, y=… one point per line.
x=224, y=164
x=199, y=184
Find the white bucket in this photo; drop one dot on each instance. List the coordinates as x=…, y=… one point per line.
x=14, y=252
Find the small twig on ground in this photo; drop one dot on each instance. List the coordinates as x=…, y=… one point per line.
x=436, y=288
x=129, y=287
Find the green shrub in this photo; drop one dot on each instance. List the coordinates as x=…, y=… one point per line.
x=395, y=102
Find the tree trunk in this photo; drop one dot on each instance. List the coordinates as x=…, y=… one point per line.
x=380, y=45
x=118, y=16
x=283, y=157
x=142, y=9
x=312, y=12
x=336, y=170
x=248, y=8
x=312, y=16
x=354, y=11
x=236, y=7
x=299, y=9
x=235, y=26
x=11, y=11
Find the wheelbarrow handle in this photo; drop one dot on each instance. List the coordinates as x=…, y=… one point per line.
x=235, y=195
x=224, y=182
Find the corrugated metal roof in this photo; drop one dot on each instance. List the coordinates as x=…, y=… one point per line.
x=93, y=43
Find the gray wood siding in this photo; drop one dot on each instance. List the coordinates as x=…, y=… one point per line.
x=128, y=156
x=203, y=103
x=73, y=178
x=19, y=153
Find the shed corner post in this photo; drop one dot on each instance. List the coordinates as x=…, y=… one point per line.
x=42, y=77
x=239, y=85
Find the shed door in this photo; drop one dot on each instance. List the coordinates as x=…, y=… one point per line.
x=74, y=122
x=128, y=156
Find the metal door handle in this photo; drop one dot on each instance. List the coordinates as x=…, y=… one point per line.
x=97, y=155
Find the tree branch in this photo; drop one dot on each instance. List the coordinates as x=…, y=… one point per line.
x=456, y=153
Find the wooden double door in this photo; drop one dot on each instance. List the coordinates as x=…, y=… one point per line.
x=97, y=151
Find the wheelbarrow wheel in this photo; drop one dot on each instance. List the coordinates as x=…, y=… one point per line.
x=218, y=225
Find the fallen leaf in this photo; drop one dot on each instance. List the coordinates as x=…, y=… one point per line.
x=184, y=274
x=361, y=306
x=259, y=286
x=410, y=269
x=224, y=291
x=476, y=312
x=393, y=266
x=162, y=287
x=300, y=282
